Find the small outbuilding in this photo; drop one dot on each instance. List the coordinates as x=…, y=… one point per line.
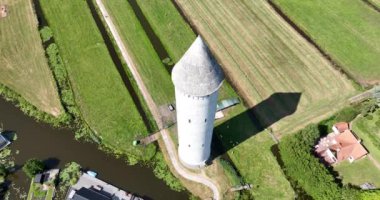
x=3, y=11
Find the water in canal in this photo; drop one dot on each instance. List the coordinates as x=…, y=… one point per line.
x=58, y=147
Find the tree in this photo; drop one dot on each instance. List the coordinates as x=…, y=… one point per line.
x=70, y=175
x=33, y=167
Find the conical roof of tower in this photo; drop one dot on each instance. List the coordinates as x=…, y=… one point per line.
x=197, y=73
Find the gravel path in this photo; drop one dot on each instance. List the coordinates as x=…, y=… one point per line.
x=154, y=109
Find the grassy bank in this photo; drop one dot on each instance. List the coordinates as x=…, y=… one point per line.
x=150, y=67
x=277, y=72
x=24, y=67
x=347, y=30
x=99, y=92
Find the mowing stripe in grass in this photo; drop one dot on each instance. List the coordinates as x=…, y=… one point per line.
x=154, y=40
x=372, y=5
x=310, y=40
x=119, y=66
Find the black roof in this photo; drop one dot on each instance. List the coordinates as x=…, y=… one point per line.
x=89, y=194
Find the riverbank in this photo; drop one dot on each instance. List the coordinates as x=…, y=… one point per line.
x=41, y=141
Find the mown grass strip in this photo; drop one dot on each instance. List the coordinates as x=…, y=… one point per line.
x=103, y=100
x=347, y=30
x=24, y=67
x=151, y=68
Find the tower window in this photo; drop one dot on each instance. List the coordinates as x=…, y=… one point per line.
x=205, y=120
x=189, y=145
x=203, y=145
x=189, y=120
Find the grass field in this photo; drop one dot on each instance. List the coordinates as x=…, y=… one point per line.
x=149, y=64
x=104, y=101
x=269, y=62
x=359, y=172
x=325, y=21
x=24, y=67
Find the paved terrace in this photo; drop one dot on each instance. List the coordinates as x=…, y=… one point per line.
x=87, y=181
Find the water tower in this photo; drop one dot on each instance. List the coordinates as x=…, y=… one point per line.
x=197, y=78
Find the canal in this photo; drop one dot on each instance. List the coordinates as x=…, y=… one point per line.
x=58, y=147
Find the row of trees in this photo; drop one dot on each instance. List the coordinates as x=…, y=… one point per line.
x=305, y=170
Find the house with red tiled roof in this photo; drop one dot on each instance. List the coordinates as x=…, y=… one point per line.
x=340, y=145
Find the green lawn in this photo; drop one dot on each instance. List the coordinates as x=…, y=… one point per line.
x=155, y=76
x=250, y=150
x=359, y=172
x=174, y=33
x=49, y=194
x=369, y=133
x=24, y=67
x=348, y=30
x=103, y=99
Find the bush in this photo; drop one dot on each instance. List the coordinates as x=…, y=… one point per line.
x=162, y=171
x=347, y=114
x=33, y=167
x=69, y=175
x=305, y=170
x=46, y=34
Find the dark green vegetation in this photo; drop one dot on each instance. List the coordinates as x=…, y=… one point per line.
x=69, y=175
x=24, y=67
x=162, y=171
x=33, y=167
x=103, y=100
x=348, y=30
x=305, y=171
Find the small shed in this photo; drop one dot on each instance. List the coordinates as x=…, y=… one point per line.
x=227, y=103
x=3, y=11
x=3, y=142
x=38, y=178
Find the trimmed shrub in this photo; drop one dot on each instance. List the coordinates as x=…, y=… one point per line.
x=33, y=167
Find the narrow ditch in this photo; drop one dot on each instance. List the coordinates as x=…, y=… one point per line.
x=154, y=39
x=370, y=4
x=311, y=41
x=119, y=65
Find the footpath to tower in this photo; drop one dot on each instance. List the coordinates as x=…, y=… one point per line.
x=154, y=109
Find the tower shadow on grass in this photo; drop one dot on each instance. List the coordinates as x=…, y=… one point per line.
x=254, y=120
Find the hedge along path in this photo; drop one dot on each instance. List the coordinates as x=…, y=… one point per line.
x=263, y=55
x=23, y=66
x=103, y=99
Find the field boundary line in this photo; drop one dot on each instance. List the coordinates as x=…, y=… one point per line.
x=370, y=4
x=153, y=107
x=309, y=39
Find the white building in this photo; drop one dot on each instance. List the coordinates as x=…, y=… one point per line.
x=197, y=78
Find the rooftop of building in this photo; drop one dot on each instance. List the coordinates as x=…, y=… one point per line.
x=197, y=73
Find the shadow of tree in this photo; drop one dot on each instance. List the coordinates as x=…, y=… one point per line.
x=254, y=120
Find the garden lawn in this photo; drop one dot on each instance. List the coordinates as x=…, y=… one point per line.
x=24, y=67
x=359, y=172
x=103, y=99
x=368, y=130
x=276, y=71
x=348, y=30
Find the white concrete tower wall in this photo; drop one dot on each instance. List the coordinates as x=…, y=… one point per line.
x=195, y=128
x=196, y=77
